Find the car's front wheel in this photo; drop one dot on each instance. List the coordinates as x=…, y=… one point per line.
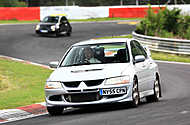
x=135, y=93
x=57, y=34
x=157, y=92
x=55, y=110
x=68, y=33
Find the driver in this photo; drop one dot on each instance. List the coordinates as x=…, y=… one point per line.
x=89, y=56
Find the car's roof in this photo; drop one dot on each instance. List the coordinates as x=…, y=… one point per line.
x=99, y=41
x=60, y=15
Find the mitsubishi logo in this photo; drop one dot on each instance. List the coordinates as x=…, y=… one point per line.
x=82, y=86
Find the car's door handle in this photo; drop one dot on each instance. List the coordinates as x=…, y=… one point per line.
x=144, y=66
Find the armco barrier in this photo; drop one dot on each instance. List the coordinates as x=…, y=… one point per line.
x=177, y=46
x=19, y=13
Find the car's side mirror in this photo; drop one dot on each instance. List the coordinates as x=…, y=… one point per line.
x=139, y=58
x=147, y=50
x=53, y=64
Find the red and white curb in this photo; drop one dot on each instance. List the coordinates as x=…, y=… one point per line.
x=25, y=62
x=34, y=110
x=24, y=112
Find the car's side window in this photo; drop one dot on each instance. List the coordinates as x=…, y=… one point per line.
x=135, y=50
x=143, y=52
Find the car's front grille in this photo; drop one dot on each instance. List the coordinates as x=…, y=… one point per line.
x=88, y=83
x=45, y=27
x=82, y=97
x=72, y=84
x=93, y=82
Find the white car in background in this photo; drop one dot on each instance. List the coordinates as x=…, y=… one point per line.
x=120, y=70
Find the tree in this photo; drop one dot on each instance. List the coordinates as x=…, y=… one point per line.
x=87, y=2
x=109, y=2
x=33, y=3
x=11, y=3
x=97, y=2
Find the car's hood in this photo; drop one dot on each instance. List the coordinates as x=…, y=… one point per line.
x=88, y=72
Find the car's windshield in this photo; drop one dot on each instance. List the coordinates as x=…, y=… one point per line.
x=96, y=54
x=51, y=19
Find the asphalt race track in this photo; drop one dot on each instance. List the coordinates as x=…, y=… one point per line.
x=19, y=41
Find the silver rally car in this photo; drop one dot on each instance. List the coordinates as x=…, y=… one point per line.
x=101, y=72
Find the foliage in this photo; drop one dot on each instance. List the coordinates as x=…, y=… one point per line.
x=187, y=34
x=166, y=23
x=12, y=3
x=171, y=18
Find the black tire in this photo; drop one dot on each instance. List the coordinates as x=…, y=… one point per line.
x=68, y=33
x=53, y=111
x=57, y=34
x=157, y=92
x=37, y=34
x=135, y=94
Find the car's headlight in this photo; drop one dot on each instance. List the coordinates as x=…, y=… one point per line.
x=53, y=85
x=37, y=27
x=53, y=28
x=117, y=80
x=57, y=26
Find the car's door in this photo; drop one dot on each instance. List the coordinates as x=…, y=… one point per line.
x=142, y=68
x=150, y=68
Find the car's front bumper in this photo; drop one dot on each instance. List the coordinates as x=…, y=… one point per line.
x=46, y=32
x=101, y=100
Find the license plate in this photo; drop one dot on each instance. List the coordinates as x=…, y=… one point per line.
x=113, y=91
x=43, y=31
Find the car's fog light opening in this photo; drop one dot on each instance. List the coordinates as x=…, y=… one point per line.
x=82, y=97
x=55, y=98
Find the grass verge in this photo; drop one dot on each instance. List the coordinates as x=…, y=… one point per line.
x=159, y=55
x=21, y=84
x=17, y=22
x=73, y=20
x=170, y=57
